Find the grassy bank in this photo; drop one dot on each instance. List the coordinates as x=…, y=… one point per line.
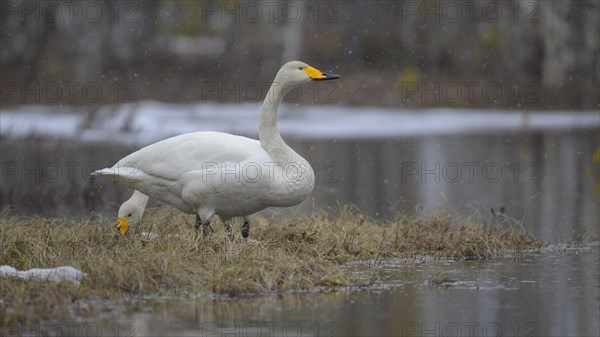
x=299, y=253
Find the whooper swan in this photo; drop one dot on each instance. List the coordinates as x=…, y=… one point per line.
x=214, y=173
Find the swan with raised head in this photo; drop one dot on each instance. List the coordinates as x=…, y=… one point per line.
x=214, y=173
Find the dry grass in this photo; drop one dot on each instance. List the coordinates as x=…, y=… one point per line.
x=297, y=253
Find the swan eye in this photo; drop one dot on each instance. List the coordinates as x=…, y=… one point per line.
x=300, y=68
x=130, y=214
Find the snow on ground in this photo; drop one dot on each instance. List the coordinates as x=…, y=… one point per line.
x=150, y=121
x=64, y=273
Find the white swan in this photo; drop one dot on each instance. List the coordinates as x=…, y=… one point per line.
x=213, y=173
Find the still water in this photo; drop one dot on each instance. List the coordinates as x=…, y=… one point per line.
x=551, y=293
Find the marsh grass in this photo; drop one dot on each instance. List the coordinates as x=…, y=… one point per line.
x=291, y=254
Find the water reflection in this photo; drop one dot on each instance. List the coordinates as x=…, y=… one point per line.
x=544, y=179
x=550, y=294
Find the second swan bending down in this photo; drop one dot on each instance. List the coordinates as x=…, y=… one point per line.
x=215, y=173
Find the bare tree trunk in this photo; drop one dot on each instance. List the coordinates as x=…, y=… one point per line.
x=556, y=32
x=570, y=34
x=292, y=32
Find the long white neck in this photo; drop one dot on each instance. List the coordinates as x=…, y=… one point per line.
x=268, y=131
x=295, y=175
x=139, y=198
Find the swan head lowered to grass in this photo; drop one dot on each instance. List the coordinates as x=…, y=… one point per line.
x=214, y=173
x=131, y=211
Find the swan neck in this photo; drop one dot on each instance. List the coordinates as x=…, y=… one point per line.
x=268, y=131
x=294, y=180
x=140, y=199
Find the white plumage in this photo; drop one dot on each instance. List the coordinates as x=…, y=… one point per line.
x=209, y=173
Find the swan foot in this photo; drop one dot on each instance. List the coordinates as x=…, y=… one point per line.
x=206, y=228
x=246, y=229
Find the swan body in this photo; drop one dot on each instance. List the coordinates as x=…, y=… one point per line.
x=232, y=176
x=215, y=173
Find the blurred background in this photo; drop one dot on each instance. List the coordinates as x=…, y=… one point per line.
x=465, y=106
x=542, y=54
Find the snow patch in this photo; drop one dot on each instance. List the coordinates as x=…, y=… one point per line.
x=149, y=121
x=63, y=273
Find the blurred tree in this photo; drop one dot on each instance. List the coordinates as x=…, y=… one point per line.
x=169, y=48
x=570, y=31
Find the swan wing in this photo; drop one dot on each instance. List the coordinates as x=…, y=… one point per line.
x=171, y=158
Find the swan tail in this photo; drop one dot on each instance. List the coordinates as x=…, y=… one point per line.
x=115, y=173
x=105, y=172
x=98, y=172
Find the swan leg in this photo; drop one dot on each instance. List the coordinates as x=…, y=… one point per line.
x=246, y=228
x=228, y=228
x=206, y=228
x=198, y=222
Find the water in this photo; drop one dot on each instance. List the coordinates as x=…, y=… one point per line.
x=553, y=293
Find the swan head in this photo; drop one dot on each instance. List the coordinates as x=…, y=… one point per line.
x=130, y=214
x=300, y=72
